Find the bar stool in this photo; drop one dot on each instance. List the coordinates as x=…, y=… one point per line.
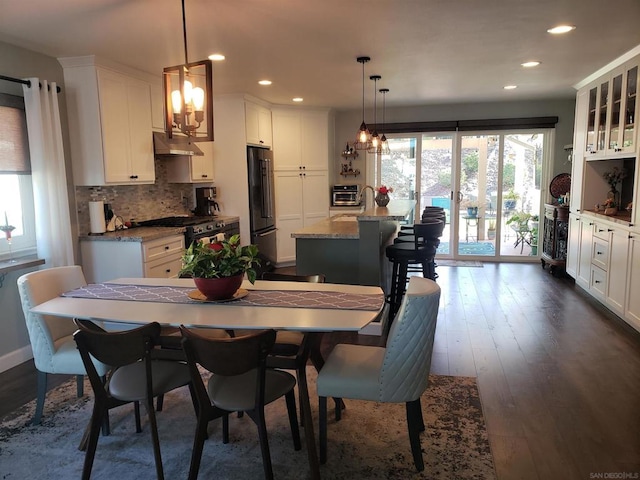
x=428, y=212
x=403, y=255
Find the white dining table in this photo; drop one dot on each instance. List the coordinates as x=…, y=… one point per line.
x=228, y=316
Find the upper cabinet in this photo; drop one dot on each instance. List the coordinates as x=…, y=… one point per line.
x=612, y=110
x=301, y=139
x=192, y=169
x=258, y=125
x=110, y=124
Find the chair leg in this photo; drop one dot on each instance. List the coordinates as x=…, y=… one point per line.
x=322, y=414
x=225, y=429
x=258, y=416
x=339, y=406
x=136, y=409
x=198, y=445
x=80, y=385
x=94, y=432
x=293, y=419
x=155, y=438
x=42, y=392
x=413, y=421
x=159, y=402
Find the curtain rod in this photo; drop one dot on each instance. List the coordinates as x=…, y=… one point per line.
x=25, y=82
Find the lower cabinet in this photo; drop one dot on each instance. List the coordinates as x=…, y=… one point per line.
x=104, y=260
x=302, y=199
x=632, y=303
x=585, y=252
x=573, y=245
x=618, y=266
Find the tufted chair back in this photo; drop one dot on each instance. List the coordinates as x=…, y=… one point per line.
x=47, y=333
x=404, y=375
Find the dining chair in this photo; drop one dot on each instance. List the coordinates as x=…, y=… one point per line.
x=51, y=338
x=396, y=373
x=240, y=382
x=135, y=377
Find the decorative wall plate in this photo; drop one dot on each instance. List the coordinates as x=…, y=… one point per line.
x=560, y=185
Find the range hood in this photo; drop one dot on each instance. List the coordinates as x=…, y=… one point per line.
x=174, y=146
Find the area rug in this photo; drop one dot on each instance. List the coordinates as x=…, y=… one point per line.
x=370, y=442
x=458, y=263
x=471, y=248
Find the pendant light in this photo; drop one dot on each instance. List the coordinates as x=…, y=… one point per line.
x=363, y=139
x=384, y=144
x=188, y=90
x=375, y=139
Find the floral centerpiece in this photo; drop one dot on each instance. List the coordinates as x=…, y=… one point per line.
x=6, y=228
x=613, y=178
x=225, y=261
x=382, y=196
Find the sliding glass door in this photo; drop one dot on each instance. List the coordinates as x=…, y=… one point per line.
x=488, y=184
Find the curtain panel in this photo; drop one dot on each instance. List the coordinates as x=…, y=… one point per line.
x=53, y=222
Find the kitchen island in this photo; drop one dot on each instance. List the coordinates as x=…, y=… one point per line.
x=350, y=249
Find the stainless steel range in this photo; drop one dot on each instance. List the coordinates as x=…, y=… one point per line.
x=198, y=227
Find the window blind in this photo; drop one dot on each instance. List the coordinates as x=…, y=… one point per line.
x=14, y=144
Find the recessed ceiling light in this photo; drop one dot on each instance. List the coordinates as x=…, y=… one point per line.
x=561, y=29
x=265, y=82
x=510, y=87
x=530, y=64
x=298, y=99
x=216, y=57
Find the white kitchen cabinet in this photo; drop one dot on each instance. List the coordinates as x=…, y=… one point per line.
x=300, y=139
x=104, y=260
x=583, y=275
x=632, y=303
x=157, y=107
x=573, y=245
x=258, y=125
x=612, y=109
x=577, y=163
x=617, y=279
x=192, y=168
x=302, y=199
x=110, y=124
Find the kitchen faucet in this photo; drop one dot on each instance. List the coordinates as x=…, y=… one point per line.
x=361, y=194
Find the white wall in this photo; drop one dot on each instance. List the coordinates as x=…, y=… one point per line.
x=347, y=123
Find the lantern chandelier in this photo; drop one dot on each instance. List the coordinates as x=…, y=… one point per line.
x=375, y=138
x=363, y=139
x=188, y=90
x=384, y=144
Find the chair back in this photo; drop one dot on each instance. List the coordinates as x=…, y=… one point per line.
x=427, y=233
x=405, y=370
x=285, y=277
x=116, y=349
x=45, y=330
x=227, y=357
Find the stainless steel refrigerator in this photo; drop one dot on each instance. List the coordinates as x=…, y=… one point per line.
x=262, y=203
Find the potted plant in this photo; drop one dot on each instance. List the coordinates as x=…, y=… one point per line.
x=218, y=268
x=510, y=199
x=472, y=208
x=520, y=221
x=491, y=230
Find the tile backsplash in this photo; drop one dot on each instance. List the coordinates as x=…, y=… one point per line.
x=138, y=202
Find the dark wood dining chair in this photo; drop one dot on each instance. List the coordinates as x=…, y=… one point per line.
x=135, y=377
x=240, y=382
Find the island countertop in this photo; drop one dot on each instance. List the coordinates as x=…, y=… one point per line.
x=346, y=226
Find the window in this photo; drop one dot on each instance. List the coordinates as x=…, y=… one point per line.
x=16, y=189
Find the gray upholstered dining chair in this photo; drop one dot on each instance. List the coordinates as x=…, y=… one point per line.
x=51, y=338
x=396, y=373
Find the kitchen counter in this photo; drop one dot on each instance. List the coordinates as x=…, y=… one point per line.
x=349, y=226
x=351, y=249
x=136, y=234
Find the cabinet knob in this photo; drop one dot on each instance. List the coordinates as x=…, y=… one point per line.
x=618, y=149
x=133, y=177
x=598, y=253
x=609, y=229
x=261, y=141
x=597, y=281
x=204, y=175
x=166, y=247
x=168, y=270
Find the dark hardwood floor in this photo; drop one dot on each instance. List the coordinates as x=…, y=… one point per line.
x=559, y=376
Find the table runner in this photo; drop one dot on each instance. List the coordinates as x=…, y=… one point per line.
x=261, y=298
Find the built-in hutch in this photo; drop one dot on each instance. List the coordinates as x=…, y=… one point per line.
x=604, y=250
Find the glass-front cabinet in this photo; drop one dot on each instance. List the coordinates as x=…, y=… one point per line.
x=613, y=106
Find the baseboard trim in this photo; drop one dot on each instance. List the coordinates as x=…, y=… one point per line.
x=15, y=358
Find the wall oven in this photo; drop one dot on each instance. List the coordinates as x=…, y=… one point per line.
x=345, y=196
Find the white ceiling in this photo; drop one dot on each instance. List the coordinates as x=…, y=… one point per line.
x=427, y=51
